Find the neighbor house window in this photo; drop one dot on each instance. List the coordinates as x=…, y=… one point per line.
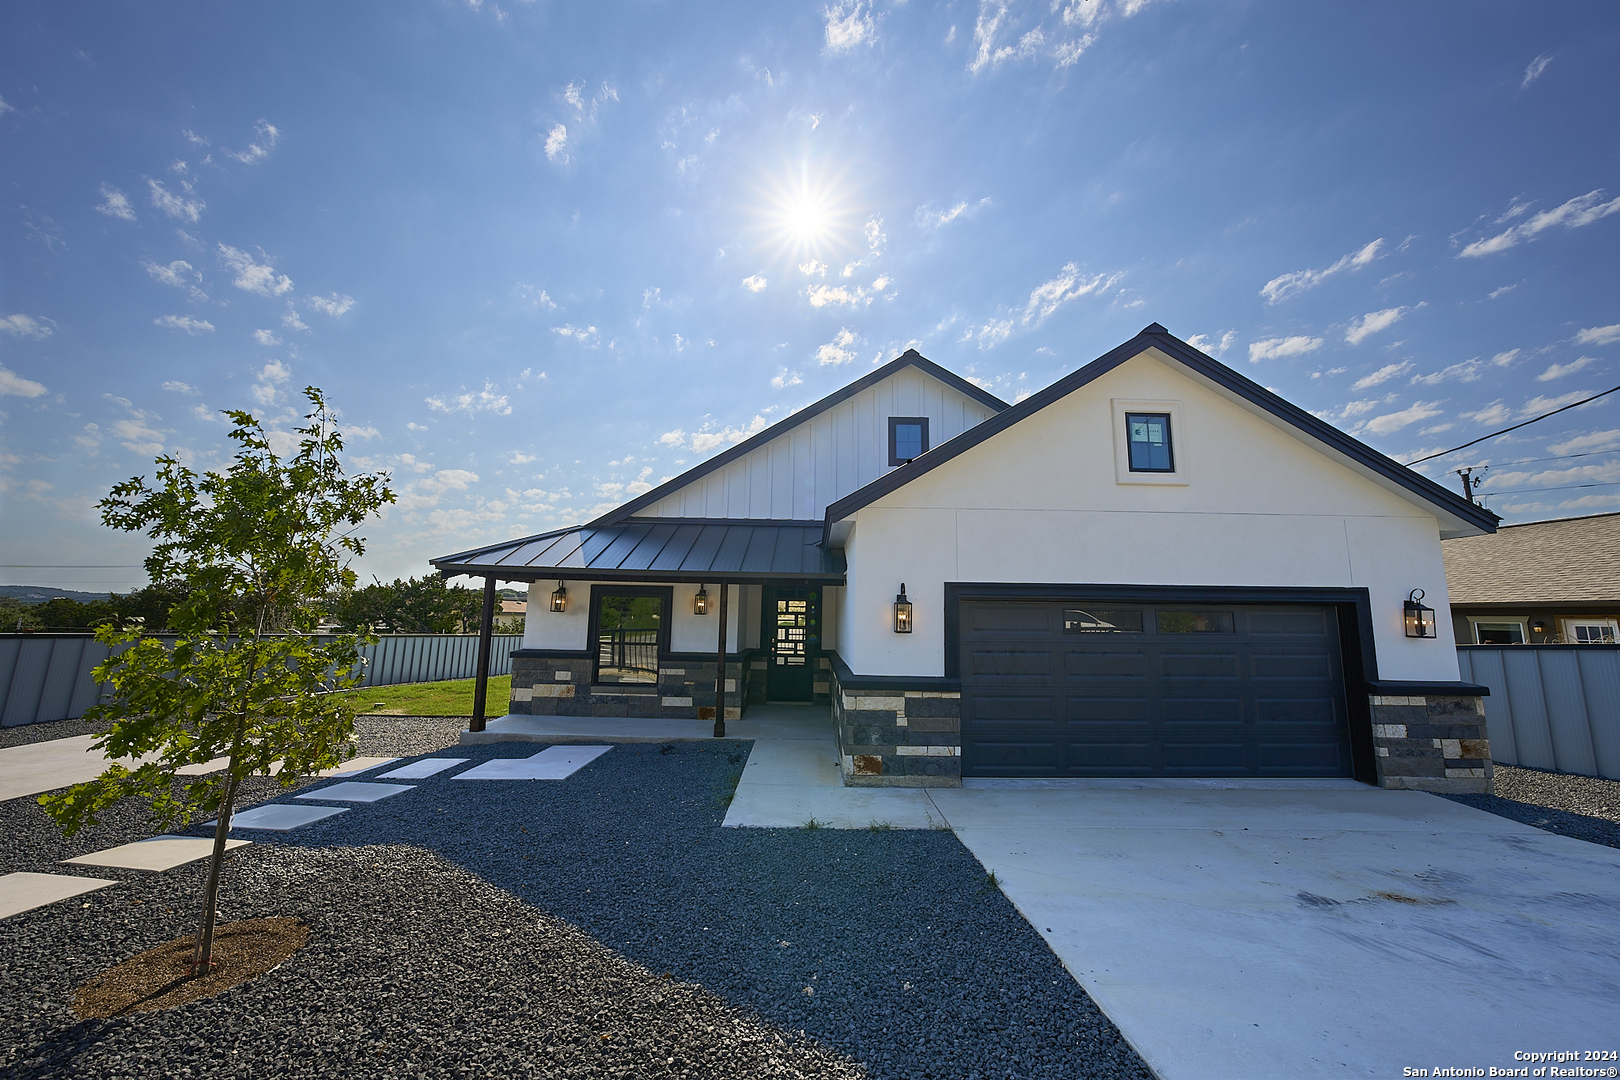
x=1148, y=437
x=1498, y=632
x=628, y=629
x=908, y=438
x=1589, y=631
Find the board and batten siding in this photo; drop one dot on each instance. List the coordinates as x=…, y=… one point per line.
x=796, y=475
x=1042, y=501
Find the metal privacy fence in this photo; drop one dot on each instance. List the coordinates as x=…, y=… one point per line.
x=47, y=676
x=1551, y=706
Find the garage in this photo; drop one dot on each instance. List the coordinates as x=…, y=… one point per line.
x=1096, y=688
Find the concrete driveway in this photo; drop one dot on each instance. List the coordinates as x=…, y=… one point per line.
x=1328, y=931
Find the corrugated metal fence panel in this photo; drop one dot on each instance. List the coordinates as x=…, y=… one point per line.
x=49, y=677
x=1551, y=706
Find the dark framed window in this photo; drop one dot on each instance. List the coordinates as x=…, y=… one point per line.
x=629, y=631
x=1148, y=436
x=908, y=438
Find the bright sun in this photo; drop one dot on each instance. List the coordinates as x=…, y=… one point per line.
x=809, y=216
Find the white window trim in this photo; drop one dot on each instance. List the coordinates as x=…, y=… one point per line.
x=1566, y=627
x=1498, y=620
x=1180, y=444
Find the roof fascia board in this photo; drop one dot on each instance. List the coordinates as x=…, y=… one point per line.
x=910, y=358
x=1327, y=436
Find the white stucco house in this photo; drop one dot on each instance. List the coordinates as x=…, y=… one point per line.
x=1152, y=567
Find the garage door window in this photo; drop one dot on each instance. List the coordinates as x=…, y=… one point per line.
x=1101, y=621
x=1196, y=622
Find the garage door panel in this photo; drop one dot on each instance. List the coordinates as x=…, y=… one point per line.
x=1125, y=663
x=1186, y=690
x=1179, y=665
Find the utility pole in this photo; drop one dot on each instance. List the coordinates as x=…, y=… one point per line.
x=1470, y=483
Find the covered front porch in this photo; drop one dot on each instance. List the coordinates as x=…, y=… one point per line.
x=664, y=620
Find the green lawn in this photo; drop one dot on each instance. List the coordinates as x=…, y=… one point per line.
x=451, y=698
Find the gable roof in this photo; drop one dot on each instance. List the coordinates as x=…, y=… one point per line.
x=910, y=358
x=1567, y=560
x=1157, y=337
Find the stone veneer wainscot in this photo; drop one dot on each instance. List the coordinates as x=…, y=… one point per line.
x=546, y=683
x=896, y=735
x=1432, y=743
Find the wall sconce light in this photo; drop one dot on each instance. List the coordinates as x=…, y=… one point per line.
x=700, y=602
x=902, y=612
x=559, y=599
x=1419, y=619
x=1538, y=627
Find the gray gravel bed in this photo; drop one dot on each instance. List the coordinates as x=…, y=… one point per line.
x=1569, y=804
x=502, y=928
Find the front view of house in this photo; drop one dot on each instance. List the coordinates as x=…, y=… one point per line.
x=1153, y=567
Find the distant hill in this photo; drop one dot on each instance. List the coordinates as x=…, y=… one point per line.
x=38, y=594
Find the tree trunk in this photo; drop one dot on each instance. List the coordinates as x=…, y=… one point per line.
x=202, y=956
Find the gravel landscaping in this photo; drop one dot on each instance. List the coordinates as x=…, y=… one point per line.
x=1585, y=807
x=604, y=925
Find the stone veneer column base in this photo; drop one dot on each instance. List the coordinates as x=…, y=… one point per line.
x=1432, y=743
x=561, y=686
x=897, y=738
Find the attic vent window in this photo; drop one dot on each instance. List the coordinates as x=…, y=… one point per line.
x=908, y=438
x=1148, y=435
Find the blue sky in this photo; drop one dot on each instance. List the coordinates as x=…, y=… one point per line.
x=542, y=255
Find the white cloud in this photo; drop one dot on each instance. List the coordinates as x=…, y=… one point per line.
x=673, y=438
x=16, y=386
x=881, y=282
x=874, y=236
x=265, y=390
x=1585, y=444
x=991, y=334
x=838, y=350
x=5, y=107
x=557, y=143
x=254, y=277
x=265, y=136
x=180, y=275
x=1494, y=413
x=1503, y=291
x=929, y=218
x=536, y=298
x=1382, y=375
x=485, y=400
x=1598, y=335
x=1069, y=284
x=267, y=338
x=1558, y=371
x=1372, y=322
x=362, y=432
x=1281, y=288
x=822, y=295
x=754, y=283
x=90, y=438
x=1419, y=410
x=849, y=23
x=519, y=458
x=585, y=335
x=1357, y=408
x=186, y=323
x=26, y=326
x=1277, y=348
x=115, y=203
x=1579, y=211
x=291, y=320
x=1212, y=346
x=334, y=305
x=183, y=207
x=813, y=268
x=787, y=378
x=997, y=37
x=175, y=387
x=1466, y=371
x=1537, y=405
x=140, y=438
x=704, y=441
x=1535, y=68
x=1504, y=359
x=428, y=491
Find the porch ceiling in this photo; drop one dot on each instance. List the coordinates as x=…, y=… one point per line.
x=660, y=549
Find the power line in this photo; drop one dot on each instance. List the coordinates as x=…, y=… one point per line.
x=1515, y=427
x=1537, y=460
x=1566, y=487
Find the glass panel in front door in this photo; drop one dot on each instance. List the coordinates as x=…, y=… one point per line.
x=792, y=618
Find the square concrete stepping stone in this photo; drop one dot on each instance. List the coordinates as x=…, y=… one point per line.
x=552, y=763
x=421, y=770
x=280, y=817
x=158, y=853
x=23, y=891
x=219, y=764
x=356, y=792
x=356, y=766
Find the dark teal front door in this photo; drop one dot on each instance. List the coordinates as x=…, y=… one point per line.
x=792, y=633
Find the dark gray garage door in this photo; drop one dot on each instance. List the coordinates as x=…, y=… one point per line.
x=1108, y=689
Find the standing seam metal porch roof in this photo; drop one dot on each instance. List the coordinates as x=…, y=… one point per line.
x=660, y=549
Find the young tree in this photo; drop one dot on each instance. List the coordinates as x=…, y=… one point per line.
x=257, y=547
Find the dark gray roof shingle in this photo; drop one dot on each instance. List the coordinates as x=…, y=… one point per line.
x=1571, y=560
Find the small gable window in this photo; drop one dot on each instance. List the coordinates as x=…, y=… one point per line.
x=908, y=438
x=1148, y=437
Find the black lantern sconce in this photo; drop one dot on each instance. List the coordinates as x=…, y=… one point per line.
x=902, y=612
x=1419, y=619
x=559, y=599
x=700, y=602
x=1538, y=627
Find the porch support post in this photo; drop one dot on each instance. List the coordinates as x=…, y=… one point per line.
x=486, y=632
x=720, y=669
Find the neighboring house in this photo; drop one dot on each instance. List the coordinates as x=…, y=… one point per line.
x=1152, y=567
x=514, y=607
x=1547, y=582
